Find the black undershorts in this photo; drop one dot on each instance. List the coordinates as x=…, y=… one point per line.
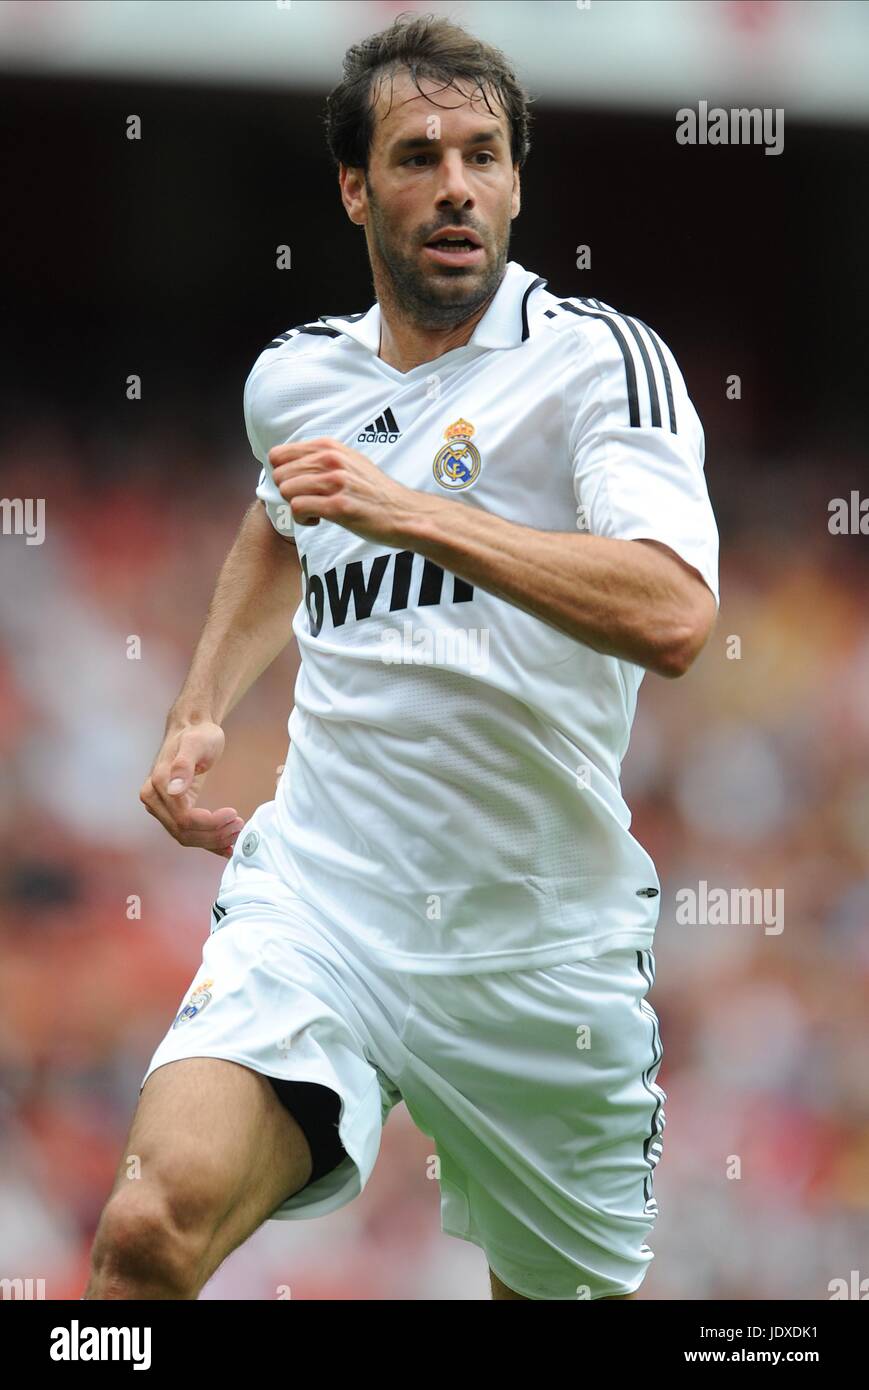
x=316, y=1109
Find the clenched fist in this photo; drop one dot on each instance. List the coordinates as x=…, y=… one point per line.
x=323, y=480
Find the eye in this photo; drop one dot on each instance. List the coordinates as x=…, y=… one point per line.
x=481, y=154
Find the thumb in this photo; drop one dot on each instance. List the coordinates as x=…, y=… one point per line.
x=196, y=753
x=180, y=776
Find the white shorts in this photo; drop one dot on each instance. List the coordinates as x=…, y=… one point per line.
x=538, y=1087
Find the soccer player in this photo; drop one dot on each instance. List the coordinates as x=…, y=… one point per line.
x=484, y=502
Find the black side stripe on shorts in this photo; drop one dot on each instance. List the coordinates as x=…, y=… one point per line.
x=646, y=966
x=652, y=1145
x=218, y=911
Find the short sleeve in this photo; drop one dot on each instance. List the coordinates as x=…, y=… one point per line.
x=279, y=511
x=637, y=446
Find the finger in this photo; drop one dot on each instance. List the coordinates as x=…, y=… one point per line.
x=181, y=817
x=219, y=839
x=297, y=479
x=282, y=453
x=188, y=818
x=198, y=819
x=219, y=842
x=177, y=774
x=308, y=510
x=197, y=751
x=182, y=806
x=176, y=779
x=307, y=500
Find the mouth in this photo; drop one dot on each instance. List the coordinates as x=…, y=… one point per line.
x=455, y=246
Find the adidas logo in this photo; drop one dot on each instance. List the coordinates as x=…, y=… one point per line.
x=383, y=430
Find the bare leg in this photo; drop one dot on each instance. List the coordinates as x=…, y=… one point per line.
x=216, y=1154
x=500, y=1290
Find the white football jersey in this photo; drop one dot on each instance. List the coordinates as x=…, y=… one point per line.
x=451, y=792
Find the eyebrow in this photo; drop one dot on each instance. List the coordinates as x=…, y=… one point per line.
x=422, y=142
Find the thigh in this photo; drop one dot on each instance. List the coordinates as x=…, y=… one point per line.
x=275, y=996
x=211, y=1153
x=539, y=1088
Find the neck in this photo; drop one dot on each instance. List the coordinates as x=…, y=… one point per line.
x=405, y=346
x=406, y=343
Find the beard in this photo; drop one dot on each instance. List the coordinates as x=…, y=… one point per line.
x=441, y=297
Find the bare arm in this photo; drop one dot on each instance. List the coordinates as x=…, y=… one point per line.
x=637, y=600
x=249, y=622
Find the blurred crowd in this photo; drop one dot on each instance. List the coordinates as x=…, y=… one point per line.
x=751, y=771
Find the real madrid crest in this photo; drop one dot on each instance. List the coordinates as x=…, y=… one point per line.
x=457, y=464
x=200, y=996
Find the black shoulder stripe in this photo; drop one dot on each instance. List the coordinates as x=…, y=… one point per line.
x=630, y=370
x=668, y=385
x=611, y=317
x=644, y=355
x=301, y=328
x=647, y=363
x=321, y=328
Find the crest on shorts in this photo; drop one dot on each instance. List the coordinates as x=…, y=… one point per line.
x=458, y=463
x=199, y=997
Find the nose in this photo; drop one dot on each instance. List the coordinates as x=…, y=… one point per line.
x=454, y=187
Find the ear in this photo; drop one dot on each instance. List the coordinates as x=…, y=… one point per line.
x=517, y=193
x=351, y=182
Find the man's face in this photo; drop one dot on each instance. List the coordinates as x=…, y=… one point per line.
x=436, y=164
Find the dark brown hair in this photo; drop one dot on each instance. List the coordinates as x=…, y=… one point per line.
x=427, y=46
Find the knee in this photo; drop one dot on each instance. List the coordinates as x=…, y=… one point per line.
x=141, y=1251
